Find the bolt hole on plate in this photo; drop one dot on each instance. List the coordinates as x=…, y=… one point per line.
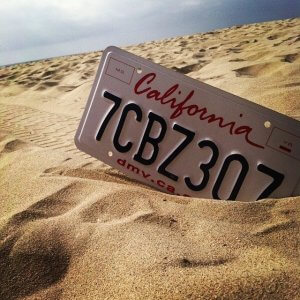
x=267, y=124
x=110, y=154
x=139, y=70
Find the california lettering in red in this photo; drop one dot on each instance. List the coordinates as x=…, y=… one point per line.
x=143, y=87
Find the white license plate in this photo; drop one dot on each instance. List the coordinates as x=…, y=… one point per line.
x=185, y=137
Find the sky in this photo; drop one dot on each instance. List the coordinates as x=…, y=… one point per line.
x=37, y=29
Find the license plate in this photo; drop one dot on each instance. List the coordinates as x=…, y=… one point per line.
x=185, y=137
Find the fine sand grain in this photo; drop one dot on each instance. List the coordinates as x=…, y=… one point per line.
x=72, y=227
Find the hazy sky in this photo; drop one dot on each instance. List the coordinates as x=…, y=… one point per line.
x=35, y=29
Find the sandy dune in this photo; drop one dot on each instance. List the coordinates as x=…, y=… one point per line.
x=72, y=227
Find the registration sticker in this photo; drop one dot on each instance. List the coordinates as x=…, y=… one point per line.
x=185, y=137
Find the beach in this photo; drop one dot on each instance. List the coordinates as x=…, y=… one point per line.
x=72, y=227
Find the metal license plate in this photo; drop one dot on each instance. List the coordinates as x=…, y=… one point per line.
x=185, y=137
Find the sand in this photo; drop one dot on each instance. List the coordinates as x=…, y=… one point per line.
x=72, y=227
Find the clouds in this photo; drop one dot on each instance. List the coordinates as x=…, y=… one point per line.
x=84, y=25
x=28, y=23
x=31, y=23
x=46, y=22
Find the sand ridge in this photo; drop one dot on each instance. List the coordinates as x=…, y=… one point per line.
x=72, y=227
